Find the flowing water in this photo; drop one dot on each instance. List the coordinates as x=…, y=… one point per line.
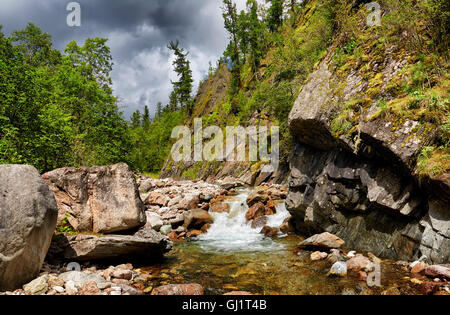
x=233, y=256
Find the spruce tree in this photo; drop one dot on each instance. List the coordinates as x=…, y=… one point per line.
x=182, y=87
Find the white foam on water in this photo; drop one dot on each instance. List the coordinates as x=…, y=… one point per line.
x=231, y=231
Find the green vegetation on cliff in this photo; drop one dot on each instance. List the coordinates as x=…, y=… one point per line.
x=57, y=109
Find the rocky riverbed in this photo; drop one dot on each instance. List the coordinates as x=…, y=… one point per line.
x=164, y=237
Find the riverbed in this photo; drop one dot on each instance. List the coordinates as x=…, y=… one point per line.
x=232, y=256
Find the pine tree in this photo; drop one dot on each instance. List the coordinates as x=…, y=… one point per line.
x=255, y=34
x=136, y=119
x=275, y=15
x=231, y=22
x=182, y=87
x=146, y=118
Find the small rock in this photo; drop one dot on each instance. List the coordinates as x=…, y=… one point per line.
x=89, y=288
x=123, y=274
x=194, y=233
x=166, y=229
x=270, y=232
x=359, y=262
x=316, y=256
x=438, y=271
x=38, y=286
x=419, y=267
x=338, y=269
x=324, y=240
x=58, y=289
x=71, y=288
x=255, y=211
x=351, y=254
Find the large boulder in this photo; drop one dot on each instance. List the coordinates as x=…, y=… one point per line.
x=100, y=199
x=146, y=243
x=28, y=215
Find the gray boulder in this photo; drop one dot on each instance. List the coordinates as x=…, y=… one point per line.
x=28, y=215
x=145, y=243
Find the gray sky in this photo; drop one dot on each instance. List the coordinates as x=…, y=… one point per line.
x=138, y=32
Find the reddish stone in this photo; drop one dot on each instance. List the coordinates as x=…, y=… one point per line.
x=220, y=207
x=438, y=271
x=89, y=288
x=271, y=208
x=205, y=227
x=255, y=211
x=419, y=267
x=194, y=233
x=179, y=289
x=429, y=288
x=173, y=236
x=270, y=232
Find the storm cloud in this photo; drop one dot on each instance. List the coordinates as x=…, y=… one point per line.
x=138, y=33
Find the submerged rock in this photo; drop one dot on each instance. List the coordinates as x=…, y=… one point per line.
x=179, y=289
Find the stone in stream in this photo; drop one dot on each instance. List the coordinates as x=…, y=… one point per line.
x=271, y=208
x=288, y=226
x=196, y=218
x=324, y=240
x=100, y=199
x=256, y=197
x=257, y=210
x=219, y=207
x=269, y=231
x=259, y=222
x=179, y=289
x=318, y=256
x=28, y=214
x=359, y=262
x=338, y=269
x=438, y=271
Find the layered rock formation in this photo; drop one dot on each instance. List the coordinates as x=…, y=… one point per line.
x=361, y=186
x=28, y=215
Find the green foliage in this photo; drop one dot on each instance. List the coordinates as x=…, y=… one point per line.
x=54, y=112
x=150, y=147
x=182, y=88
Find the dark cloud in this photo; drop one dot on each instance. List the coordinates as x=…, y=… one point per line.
x=138, y=32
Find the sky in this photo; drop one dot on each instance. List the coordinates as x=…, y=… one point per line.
x=138, y=33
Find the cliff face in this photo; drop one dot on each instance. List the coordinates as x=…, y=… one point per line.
x=357, y=170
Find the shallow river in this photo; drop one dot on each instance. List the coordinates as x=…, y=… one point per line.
x=233, y=256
